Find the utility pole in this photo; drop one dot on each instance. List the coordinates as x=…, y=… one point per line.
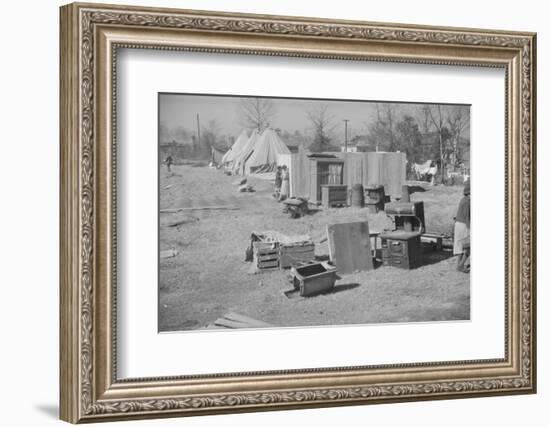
x=198, y=131
x=346, y=135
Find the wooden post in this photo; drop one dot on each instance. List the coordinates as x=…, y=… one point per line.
x=198, y=131
x=346, y=135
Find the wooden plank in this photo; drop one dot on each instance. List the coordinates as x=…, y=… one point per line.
x=303, y=173
x=298, y=249
x=294, y=174
x=231, y=324
x=354, y=166
x=372, y=164
x=170, y=253
x=245, y=319
x=273, y=263
x=268, y=264
x=200, y=208
x=313, y=195
x=349, y=246
x=266, y=250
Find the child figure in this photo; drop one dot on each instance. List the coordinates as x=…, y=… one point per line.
x=168, y=161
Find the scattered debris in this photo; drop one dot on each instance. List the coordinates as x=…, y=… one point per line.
x=435, y=240
x=200, y=208
x=170, y=253
x=246, y=188
x=296, y=207
x=186, y=220
x=241, y=181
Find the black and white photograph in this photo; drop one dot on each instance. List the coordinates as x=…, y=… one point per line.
x=291, y=212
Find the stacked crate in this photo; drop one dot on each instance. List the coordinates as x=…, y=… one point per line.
x=266, y=255
x=272, y=250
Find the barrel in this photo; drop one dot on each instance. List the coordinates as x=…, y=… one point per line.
x=357, y=196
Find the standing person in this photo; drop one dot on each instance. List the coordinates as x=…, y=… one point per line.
x=432, y=171
x=461, y=245
x=278, y=181
x=168, y=161
x=285, y=186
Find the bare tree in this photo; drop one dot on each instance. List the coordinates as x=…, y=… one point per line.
x=210, y=138
x=383, y=129
x=422, y=117
x=458, y=121
x=256, y=112
x=436, y=115
x=322, y=125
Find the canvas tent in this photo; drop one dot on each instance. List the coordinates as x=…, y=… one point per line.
x=266, y=151
x=237, y=146
x=245, y=152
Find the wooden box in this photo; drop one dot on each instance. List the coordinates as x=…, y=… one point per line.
x=273, y=250
x=266, y=255
x=295, y=253
x=313, y=278
x=334, y=195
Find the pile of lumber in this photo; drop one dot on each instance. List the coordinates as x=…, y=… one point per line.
x=233, y=320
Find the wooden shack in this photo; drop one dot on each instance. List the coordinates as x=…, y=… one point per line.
x=309, y=171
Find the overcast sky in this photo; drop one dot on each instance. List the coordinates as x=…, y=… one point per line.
x=290, y=114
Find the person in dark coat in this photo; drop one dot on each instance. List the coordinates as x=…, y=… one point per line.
x=461, y=244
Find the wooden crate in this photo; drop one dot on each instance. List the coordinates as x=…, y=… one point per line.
x=334, y=195
x=313, y=278
x=273, y=250
x=266, y=255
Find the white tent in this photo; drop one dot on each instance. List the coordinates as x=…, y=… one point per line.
x=237, y=146
x=245, y=152
x=266, y=151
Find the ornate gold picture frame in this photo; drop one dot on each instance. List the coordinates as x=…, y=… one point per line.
x=90, y=37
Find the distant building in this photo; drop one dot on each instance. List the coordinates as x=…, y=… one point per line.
x=348, y=149
x=358, y=144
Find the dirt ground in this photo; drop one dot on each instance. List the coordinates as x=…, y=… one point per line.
x=208, y=277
